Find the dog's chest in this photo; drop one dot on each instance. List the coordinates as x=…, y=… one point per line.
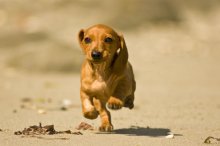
x=98, y=86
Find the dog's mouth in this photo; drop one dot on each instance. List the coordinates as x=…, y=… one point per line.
x=97, y=61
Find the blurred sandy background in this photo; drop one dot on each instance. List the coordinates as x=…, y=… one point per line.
x=40, y=36
x=174, y=47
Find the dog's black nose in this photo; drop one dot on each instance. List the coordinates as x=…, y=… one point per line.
x=96, y=55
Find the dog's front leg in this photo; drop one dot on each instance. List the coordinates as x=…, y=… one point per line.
x=105, y=116
x=88, y=109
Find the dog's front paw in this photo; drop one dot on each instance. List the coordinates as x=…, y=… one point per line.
x=106, y=128
x=91, y=114
x=114, y=103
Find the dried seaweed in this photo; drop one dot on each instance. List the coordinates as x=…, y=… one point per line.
x=85, y=126
x=212, y=140
x=43, y=130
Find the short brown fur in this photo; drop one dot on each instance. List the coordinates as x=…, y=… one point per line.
x=110, y=80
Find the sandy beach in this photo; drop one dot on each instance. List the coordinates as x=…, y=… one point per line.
x=176, y=66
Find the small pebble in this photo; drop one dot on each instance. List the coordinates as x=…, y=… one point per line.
x=170, y=135
x=41, y=111
x=26, y=99
x=67, y=103
x=17, y=133
x=63, y=108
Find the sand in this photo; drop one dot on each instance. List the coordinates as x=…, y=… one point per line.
x=176, y=66
x=174, y=96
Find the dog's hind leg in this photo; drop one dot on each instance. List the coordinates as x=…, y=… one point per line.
x=129, y=101
x=115, y=103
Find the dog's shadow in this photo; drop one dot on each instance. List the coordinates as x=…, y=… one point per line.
x=144, y=131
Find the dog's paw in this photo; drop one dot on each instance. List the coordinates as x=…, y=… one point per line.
x=106, y=128
x=129, y=102
x=114, y=103
x=92, y=114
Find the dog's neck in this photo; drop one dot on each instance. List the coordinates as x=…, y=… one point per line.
x=101, y=70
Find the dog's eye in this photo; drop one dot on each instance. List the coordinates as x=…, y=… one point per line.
x=87, y=40
x=108, y=40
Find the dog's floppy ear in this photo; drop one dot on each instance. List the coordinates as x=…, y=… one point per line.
x=122, y=56
x=81, y=37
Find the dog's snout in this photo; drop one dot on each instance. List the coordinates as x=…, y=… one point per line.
x=96, y=55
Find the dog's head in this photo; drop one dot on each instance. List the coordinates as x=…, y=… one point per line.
x=100, y=43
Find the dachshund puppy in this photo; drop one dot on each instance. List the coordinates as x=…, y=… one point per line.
x=106, y=76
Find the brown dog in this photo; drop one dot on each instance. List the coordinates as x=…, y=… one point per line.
x=106, y=75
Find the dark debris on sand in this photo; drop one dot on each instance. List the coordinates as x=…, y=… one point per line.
x=212, y=140
x=85, y=126
x=43, y=130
